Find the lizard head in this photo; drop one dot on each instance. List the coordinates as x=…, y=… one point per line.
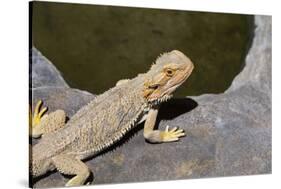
x=166, y=75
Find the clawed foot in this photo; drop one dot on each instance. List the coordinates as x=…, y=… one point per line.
x=172, y=135
x=41, y=123
x=76, y=181
x=38, y=114
x=35, y=120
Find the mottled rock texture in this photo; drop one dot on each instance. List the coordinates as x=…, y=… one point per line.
x=227, y=134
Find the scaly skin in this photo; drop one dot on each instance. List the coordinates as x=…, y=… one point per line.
x=106, y=119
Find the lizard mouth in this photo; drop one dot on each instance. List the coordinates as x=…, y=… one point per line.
x=167, y=93
x=173, y=87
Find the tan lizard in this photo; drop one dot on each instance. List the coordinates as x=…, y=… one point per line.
x=106, y=119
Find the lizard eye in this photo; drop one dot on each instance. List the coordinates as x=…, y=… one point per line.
x=169, y=72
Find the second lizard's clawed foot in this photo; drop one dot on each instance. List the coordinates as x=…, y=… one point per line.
x=41, y=123
x=38, y=113
x=35, y=120
x=172, y=135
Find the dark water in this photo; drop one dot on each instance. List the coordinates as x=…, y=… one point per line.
x=95, y=46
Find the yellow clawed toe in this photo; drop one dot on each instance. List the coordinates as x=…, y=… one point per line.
x=38, y=113
x=172, y=135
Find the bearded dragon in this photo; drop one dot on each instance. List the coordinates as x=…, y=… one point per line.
x=106, y=119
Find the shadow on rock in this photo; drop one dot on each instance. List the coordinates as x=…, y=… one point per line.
x=175, y=107
x=33, y=181
x=168, y=110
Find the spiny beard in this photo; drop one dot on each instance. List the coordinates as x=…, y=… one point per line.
x=160, y=100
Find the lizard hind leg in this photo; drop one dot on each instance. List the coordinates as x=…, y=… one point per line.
x=70, y=165
x=41, y=123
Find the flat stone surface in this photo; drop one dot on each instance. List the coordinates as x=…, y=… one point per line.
x=227, y=134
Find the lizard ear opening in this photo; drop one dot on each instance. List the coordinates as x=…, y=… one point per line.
x=153, y=87
x=149, y=88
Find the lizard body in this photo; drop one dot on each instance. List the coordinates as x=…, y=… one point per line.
x=106, y=119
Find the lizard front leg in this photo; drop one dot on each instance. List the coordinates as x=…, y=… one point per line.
x=157, y=136
x=70, y=165
x=41, y=123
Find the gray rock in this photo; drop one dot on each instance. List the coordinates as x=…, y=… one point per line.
x=227, y=134
x=43, y=72
x=257, y=71
x=68, y=99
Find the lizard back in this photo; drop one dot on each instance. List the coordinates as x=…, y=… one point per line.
x=98, y=124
